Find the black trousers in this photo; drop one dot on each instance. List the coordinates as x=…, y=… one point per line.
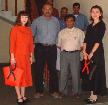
x=45, y=54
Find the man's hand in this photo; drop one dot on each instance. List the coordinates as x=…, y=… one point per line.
x=85, y=55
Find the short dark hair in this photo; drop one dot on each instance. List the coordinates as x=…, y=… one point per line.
x=100, y=9
x=47, y=3
x=18, y=20
x=76, y=4
x=69, y=16
x=51, y=0
x=64, y=8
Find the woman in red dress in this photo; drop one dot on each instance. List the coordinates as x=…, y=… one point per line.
x=21, y=49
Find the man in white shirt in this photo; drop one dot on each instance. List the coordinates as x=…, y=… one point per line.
x=70, y=41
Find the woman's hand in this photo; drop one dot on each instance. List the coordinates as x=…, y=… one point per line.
x=12, y=61
x=90, y=55
x=31, y=60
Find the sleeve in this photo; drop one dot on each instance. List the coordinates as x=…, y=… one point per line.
x=59, y=40
x=13, y=40
x=58, y=30
x=82, y=36
x=33, y=27
x=86, y=35
x=58, y=26
x=100, y=33
x=31, y=42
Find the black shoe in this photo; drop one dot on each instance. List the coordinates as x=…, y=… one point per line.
x=25, y=100
x=20, y=103
x=91, y=101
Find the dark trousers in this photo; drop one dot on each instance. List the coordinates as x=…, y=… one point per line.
x=45, y=54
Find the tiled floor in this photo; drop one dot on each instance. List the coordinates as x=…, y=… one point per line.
x=8, y=97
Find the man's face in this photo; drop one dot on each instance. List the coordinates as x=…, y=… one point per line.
x=47, y=10
x=64, y=12
x=76, y=9
x=70, y=22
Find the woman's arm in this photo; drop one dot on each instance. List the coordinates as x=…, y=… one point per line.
x=31, y=47
x=12, y=59
x=95, y=47
x=12, y=45
x=98, y=39
x=84, y=51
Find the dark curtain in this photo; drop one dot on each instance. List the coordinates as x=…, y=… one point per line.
x=34, y=10
x=28, y=7
x=40, y=5
x=31, y=8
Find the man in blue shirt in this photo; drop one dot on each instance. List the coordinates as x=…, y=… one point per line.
x=63, y=13
x=45, y=29
x=81, y=20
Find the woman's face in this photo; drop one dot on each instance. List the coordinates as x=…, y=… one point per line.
x=24, y=20
x=95, y=13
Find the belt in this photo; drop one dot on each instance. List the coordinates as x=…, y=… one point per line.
x=71, y=51
x=45, y=45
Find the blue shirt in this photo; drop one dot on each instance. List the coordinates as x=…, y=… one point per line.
x=81, y=22
x=45, y=30
x=62, y=23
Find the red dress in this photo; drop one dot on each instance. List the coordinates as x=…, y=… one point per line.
x=21, y=45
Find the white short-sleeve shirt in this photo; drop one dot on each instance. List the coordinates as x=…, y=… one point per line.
x=70, y=39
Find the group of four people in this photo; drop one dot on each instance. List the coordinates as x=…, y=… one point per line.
x=70, y=40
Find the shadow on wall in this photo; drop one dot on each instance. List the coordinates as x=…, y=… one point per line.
x=105, y=43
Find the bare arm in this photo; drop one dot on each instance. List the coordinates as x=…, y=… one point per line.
x=84, y=52
x=95, y=47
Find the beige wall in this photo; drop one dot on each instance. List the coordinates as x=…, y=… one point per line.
x=4, y=41
x=0, y=4
x=85, y=8
x=11, y=5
